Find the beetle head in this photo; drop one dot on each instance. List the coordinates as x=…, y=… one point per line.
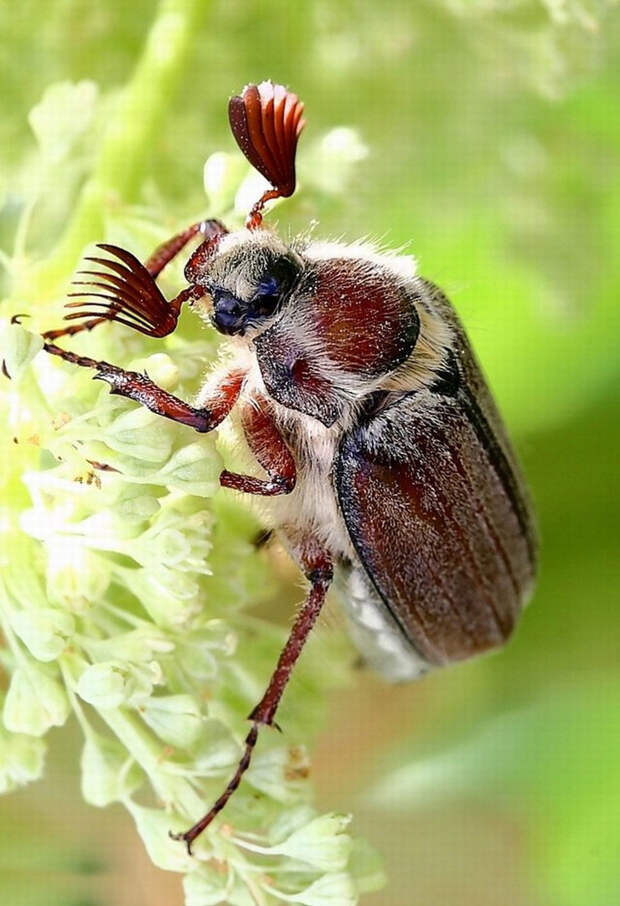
x=250, y=275
x=248, y=281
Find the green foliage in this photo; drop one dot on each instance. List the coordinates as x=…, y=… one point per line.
x=123, y=590
x=488, y=141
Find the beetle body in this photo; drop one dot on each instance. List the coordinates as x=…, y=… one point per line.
x=403, y=469
x=352, y=384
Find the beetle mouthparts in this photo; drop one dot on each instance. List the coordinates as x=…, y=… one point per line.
x=266, y=122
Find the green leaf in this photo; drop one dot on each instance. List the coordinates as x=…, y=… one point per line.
x=63, y=115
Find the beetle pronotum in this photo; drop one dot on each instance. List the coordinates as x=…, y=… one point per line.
x=358, y=394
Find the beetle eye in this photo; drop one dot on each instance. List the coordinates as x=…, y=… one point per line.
x=268, y=295
x=274, y=288
x=265, y=304
x=268, y=286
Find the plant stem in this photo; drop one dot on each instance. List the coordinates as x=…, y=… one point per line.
x=147, y=752
x=126, y=146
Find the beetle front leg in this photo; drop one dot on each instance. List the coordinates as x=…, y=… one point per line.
x=140, y=387
x=143, y=390
x=163, y=254
x=269, y=448
x=317, y=566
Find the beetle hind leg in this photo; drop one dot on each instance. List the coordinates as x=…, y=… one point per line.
x=317, y=566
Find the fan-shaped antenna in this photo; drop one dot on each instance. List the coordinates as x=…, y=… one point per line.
x=266, y=123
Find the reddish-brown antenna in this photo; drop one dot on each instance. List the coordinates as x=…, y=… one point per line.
x=266, y=123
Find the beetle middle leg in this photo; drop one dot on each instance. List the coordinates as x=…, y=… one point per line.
x=269, y=448
x=318, y=569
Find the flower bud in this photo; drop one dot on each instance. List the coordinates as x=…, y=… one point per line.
x=154, y=826
x=141, y=434
x=111, y=684
x=207, y=886
x=280, y=773
x=44, y=632
x=136, y=506
x=366, y=866
x=137, y=646
x=34, y=702
x=103, y=685
x=330, y=162
x=22, y=760
x=75, y=576
x=215, y=749
x=322, y=843
x=65, y=112
x=330, y=890
x=160, y=368
x=221, y=176
x=250, y=189
x=18, y=347
x=170, y=599
x=176, y=719
x=194, y=469
x=108, y=772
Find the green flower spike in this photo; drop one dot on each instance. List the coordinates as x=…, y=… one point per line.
x=124, y=578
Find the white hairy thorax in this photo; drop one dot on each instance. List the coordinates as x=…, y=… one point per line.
x=313, y=503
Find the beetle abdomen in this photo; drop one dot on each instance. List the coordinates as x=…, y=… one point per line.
x=373, y=630
x=434, y=528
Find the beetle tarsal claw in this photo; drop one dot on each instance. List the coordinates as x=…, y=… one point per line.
x=182, y=836
x=116, y=381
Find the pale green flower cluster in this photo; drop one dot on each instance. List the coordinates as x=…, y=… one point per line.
x=124, y=574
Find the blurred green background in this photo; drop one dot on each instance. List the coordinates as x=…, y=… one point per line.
x=494, y=153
